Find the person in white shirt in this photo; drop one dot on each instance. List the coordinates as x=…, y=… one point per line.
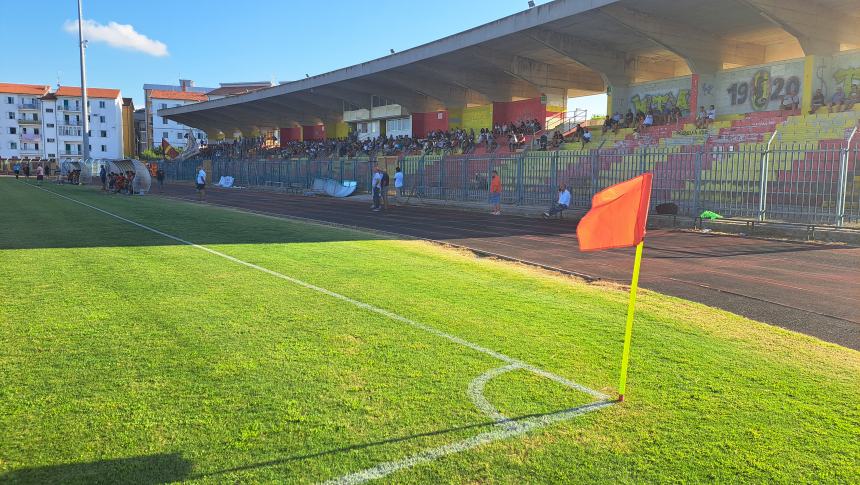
x=398, y=182
x=376, y=185
x=201, y=184
x=562, y=204
x=712, y=114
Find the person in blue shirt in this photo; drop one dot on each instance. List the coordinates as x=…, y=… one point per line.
x=17, y=170
x=562, y=204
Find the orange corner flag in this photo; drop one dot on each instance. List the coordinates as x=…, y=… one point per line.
x=617, y=216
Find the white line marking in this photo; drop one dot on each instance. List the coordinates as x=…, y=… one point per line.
x=476, y=393
x=383, y=469
x=499, y=433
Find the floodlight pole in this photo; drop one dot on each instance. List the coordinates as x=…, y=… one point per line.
x=85, y=109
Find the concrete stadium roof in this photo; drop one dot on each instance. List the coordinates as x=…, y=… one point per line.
x=565, y=47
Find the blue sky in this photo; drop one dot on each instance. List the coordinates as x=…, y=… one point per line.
x=223, y=41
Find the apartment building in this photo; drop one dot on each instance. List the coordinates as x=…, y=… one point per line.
x=40, y=124
x=21, y=120
x=162, y=96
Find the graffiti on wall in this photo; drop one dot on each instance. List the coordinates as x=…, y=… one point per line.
x=846, y=77
x=659, y=102
x=763, y=89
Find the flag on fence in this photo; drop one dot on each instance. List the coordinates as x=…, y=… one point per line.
x=617, y=220
x=168, y=150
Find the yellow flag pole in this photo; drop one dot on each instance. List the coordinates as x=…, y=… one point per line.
x=628, y=331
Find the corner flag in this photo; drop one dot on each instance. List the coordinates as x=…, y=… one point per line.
x=617, y=220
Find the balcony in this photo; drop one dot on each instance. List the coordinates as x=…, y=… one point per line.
x=29, y=121
x=70, y=130
x=29, y=138
x=71, y=153
x=30, y=106
x=70, y=108
x=29, y=151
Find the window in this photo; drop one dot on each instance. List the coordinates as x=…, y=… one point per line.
x=37, y=146
x=52, y=155
x=50, y=125
x=35, y=131
x=11, y=115
x=101, y=119
x=49, y=110
x=10, y=100
x=50, y=140
x=164, y=120
x=179, y=136
x=104, y=148
x=24, y=130
x=103, y=134
x=163, y=105
x=66, y=104
x=13, y=130
x=165, y=135
x=13, y=145
x=101, y=105
x=68, y=147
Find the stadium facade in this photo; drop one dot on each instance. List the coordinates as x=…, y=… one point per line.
x=742, y=56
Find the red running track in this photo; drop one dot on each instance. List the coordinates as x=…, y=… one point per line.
x=809, y=288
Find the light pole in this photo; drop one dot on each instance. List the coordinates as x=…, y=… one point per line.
x=85, y=109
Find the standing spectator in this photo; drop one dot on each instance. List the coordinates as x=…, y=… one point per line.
x=159, y=176
x=376, y=186
x=201, y=184
x=496, y=194
x=17, y=169
x=817, y=101
x=562, y=204
x=27, y=170
x=398, y=182
x=701, y=118
x=103, y=177
x=40, y=174
x=384, y=184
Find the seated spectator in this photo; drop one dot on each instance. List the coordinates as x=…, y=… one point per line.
x=853, y=98
x=562, y=204
x=544, y=142
x=629, y=118
x=817, y=101
x=648, y=121
x=712, y=114
x=790, y=102
x=837, y=102
x=607, y=124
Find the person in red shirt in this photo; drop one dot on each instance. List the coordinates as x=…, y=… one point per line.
x=496, y=194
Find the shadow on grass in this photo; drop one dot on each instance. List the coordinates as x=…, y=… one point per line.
x=372, y=444
x=138, y=470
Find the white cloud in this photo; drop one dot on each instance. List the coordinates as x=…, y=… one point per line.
x=122, y=36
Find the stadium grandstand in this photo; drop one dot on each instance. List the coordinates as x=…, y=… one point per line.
x=744, y=107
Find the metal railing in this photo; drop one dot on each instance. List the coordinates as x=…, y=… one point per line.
x=795, y=183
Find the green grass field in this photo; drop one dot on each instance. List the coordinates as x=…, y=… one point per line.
x=127, y=356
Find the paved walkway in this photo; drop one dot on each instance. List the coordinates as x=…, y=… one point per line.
x=809, y=288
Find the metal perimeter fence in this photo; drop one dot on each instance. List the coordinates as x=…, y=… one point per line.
x=796, y=183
